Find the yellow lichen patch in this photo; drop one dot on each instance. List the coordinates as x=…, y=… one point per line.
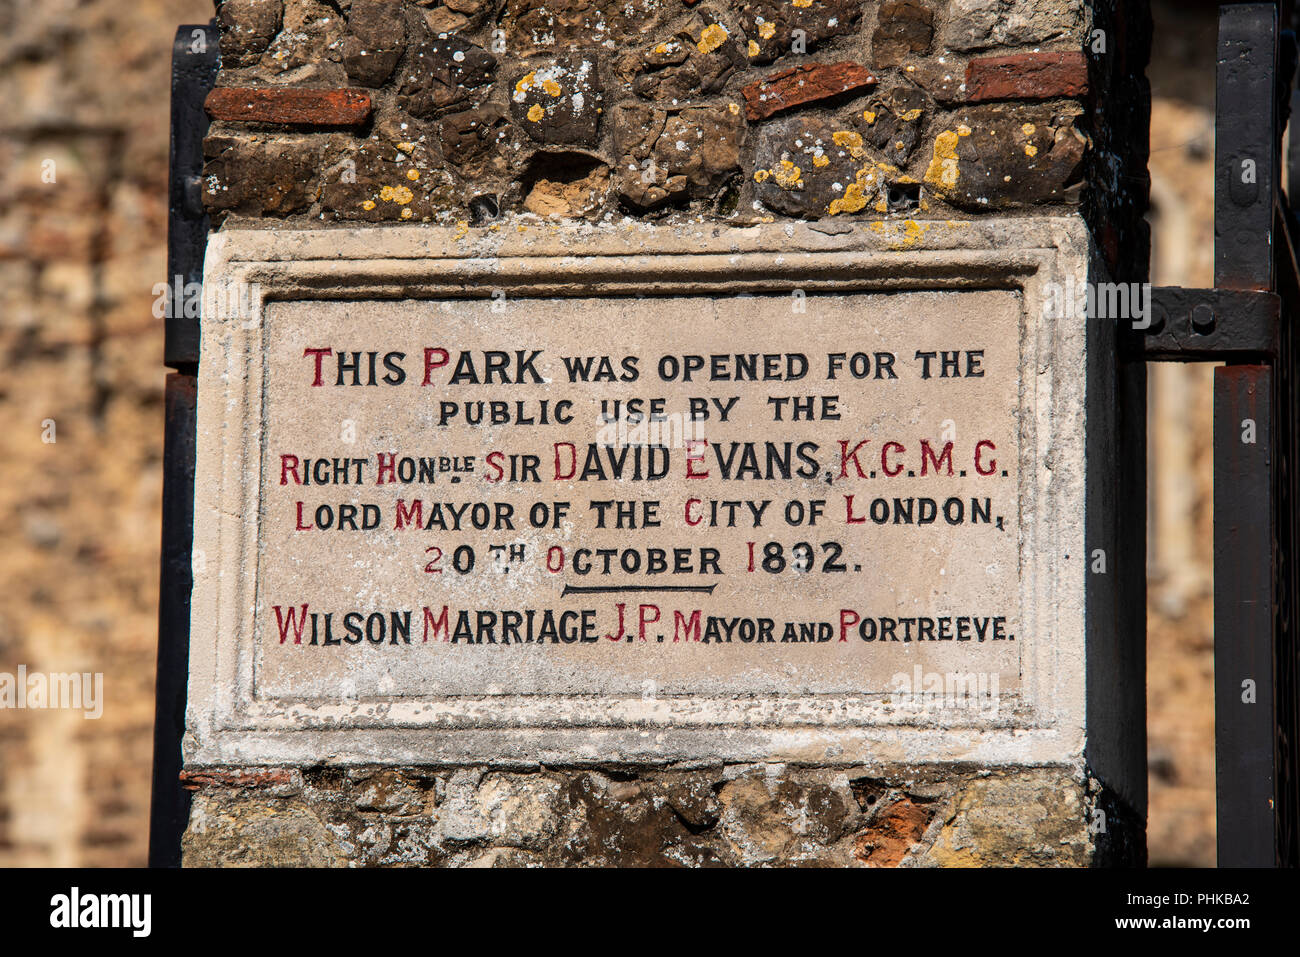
x=901, y=235
x=1028, y=129
x=802, y=3
x=942, y=172
x=406, y=147
x=882, y=205
x=396, y=194
x=820, y=160
x=1031, y=149
x=761, y=175
x=869, y=116
x=406, y=212
x=849, y=140
x=368, y=205
x=753, y=48
x=535, y=113
x=711, y=37
x=857, y=194
x=910, y=115
x=661, y=49
x=412, y=174
x=963, y=130
x=766, y=30
x=787, y=175
x=913, y=232
x=530, y=81
x=733, y=109
x=852, y=201
x=462, y=228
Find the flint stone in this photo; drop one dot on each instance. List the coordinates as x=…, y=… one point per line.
x=892, y=122
x=480, y=140
x=560, y=101
x=1004, y=155
x=373, y=183
x=904, y=30
x=944, y=81
x=442, y=72
x=769, y=25
x=310, y=33
x=260, y=177
x=536, y=27
x=809, y=166
x=374, y=42
x=981, y=24
x=445, y=20
x=698, y=59
x=247, y=28
x=671, y=156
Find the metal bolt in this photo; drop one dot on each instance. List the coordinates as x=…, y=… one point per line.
x=1203, y=318
x=1158, y=317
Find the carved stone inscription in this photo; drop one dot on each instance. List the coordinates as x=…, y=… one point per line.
x=640, y=496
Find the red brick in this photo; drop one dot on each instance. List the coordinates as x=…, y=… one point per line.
x=803, y=84
x=1027, y=76
x=193, y=780
x=291, y=107
x=893, y=833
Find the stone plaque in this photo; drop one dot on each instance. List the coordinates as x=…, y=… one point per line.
x=808, y=496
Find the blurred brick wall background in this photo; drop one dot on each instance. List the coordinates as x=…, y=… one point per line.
x=85, y=83
x=1180, y=609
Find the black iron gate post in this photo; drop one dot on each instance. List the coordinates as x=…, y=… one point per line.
x=194, y=70
x=1246, y=186
x=1243, y=323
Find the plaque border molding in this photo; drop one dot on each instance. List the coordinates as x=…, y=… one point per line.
x=226, y=725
